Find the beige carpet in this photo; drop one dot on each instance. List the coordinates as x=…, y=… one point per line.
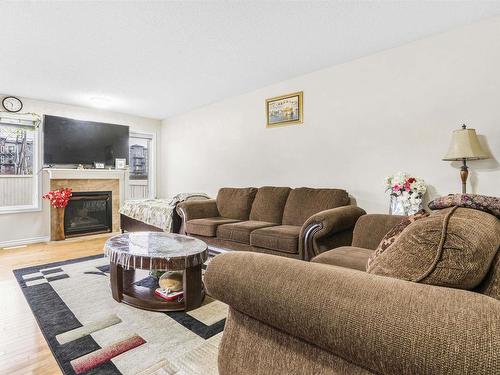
x=175, y=343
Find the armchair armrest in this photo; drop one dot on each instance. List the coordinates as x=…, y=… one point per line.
x=385, y=325
x=197, y=209
x=325, y=224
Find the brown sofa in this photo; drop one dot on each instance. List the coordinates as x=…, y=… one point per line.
x=297, y=223
x=291, y=317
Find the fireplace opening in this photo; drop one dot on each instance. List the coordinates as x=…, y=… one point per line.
x=88, y=213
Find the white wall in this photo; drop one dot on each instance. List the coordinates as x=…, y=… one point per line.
x=35, y=226
x=363, y=120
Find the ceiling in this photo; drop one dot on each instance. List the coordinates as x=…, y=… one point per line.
x=157, y=58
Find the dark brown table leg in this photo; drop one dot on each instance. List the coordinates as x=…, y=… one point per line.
x=116, y=280
x=193, y=288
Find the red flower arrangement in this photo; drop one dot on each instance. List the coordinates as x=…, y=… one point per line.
x=58, y=198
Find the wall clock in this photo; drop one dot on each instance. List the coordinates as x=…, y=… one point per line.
x=12, y=104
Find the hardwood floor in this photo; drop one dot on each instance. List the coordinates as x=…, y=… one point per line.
x=23, y=349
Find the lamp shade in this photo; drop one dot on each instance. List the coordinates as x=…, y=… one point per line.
x=465, y=145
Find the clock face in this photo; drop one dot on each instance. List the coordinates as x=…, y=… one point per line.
x=12, y=104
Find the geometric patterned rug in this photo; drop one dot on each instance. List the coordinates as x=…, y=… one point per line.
x=90, y=333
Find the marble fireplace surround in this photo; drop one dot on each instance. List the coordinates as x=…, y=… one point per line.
x=86, y=180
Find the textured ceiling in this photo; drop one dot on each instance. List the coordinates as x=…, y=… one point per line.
x=157, y=59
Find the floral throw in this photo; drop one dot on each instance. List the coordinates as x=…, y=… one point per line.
x=157, y=212
x=484, y=203
x=394, y=233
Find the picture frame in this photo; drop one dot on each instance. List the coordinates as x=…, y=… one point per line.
x=120, y=163
x=285, y=110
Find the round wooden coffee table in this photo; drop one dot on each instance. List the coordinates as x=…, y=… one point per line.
x=148, y=251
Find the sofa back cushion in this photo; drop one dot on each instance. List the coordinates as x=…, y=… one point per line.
x=303, y=202
x=370, y=229
x=269, y=204
x=235, y=203
x=454, y=248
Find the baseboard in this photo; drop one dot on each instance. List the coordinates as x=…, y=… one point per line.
x=87, y=237
x=24, y=241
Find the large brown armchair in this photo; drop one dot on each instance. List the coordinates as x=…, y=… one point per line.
x=291, y=317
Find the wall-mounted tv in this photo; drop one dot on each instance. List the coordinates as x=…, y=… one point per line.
x=68, y=141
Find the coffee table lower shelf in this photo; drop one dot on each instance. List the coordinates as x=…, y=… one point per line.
x=145, y=298
x=123, y=290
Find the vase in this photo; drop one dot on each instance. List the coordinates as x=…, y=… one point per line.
x=57, y=232
x=397, y=207
x=400, y=207
x=412, y=210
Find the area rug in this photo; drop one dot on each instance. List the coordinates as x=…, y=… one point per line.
x=90, y=333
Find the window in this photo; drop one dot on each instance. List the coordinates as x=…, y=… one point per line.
x=19, y=182
x=141, y=171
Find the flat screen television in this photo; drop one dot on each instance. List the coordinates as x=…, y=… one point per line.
x=68, y=141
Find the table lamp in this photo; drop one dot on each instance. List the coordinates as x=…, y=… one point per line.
x=465, y=146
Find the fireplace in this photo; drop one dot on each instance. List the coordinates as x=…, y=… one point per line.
x=88, y=213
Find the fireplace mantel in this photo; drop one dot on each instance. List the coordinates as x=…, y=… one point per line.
x=91, y=174
x=88, y=180
x=67, y=173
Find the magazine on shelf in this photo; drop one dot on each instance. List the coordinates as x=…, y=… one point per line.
x=167, y=295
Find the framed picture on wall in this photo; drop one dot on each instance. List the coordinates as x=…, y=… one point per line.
x=285, y=110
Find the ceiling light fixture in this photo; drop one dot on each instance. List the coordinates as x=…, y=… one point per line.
x=100, y=101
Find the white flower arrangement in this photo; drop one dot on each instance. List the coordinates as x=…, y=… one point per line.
x=406, y=192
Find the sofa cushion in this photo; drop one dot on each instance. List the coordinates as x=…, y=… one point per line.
x=370, y=229
x=240, y=232
x=235, y=203
x=208, y=226
x=283, y=238
x=303, y=202
x=269, y=204
x=345, y=256
x=394, y=233
x=453, y=247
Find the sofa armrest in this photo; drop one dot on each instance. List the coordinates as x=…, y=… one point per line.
x=385, y=325
x=325, y=224
x=371, y=228
x=197, y=209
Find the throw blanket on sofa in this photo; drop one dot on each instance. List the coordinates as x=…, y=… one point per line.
x=157, y=212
